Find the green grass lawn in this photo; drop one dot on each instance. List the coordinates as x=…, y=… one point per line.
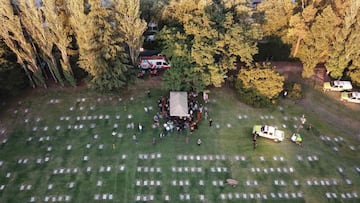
x=271, y=169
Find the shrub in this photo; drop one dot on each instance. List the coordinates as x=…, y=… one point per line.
x=296, y=91
x=251, y=97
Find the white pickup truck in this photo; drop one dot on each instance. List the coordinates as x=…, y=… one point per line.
x=269, y=132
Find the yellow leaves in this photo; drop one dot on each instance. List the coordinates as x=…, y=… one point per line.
x=297, y=27
x=355, y=76
x=309, y=13
x=277, y=15
x=266, y=81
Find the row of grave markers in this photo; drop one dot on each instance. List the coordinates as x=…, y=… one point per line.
x=236, y=157
x=338, y=140
x=286, y=195
x=88, y=170
x=310, y=158
x=272, y=170
x=53, y=198
x=228, y=196
x=325, y=182
x=348, y=195
x=201, y=183
x=93, y=117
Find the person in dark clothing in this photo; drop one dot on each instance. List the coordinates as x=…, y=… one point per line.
x=254, y=140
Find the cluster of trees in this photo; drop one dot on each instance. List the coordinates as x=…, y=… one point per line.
x=212, y=35
x=207, y=39
x=319, y=32
x=204, y=39
x=48, y=36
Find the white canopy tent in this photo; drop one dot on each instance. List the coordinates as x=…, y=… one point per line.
x=178, y=104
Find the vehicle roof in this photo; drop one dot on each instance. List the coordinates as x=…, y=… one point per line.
x=269, y=128
x=152, y=57
x=355, y=94
x=344, y=83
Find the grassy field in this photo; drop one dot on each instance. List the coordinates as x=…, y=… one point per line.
x=58, y=136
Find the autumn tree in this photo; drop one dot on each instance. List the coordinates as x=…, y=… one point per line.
x=56, y=21
x=216, y=34
x=259, y=85
x=42, y=38
x=16, y=38
x=131, y=26
x=344, y=48
x=277, y=14
x=320, y=32
x=101, y=52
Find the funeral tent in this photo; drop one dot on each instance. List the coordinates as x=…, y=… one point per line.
x=178, y=104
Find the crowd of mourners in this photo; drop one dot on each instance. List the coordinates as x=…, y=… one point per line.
x=174, y=123
x=169, y=124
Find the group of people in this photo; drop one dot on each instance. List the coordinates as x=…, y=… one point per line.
x=169, y=124
x=174, y=123
x=196, y=112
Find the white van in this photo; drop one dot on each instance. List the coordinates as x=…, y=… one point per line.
x=337, y=86
x=153, y=62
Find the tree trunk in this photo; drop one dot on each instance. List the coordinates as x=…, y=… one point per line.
x=297, y=46
x=48, y=61
x=28, y=74
x=132, y=55
x=55, y=69
x=303, y=4
x=66, y=67
x=37, y=72
x=37, y=75
x=65, y=59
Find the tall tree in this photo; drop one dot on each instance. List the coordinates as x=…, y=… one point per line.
x=131, y=26
x=17, y=40
x=101, y=52
x=299, y=25
x=217, y=33
x=344, y=48
x=42, y=38
x=316, y=46
x=320, y=32
x=83, y=32
x=56, y=21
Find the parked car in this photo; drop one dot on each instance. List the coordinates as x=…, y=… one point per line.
x=269, y=132
x=350, y=97
x=337, y=86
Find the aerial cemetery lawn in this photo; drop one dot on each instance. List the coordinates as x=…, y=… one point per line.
x=78, y=146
